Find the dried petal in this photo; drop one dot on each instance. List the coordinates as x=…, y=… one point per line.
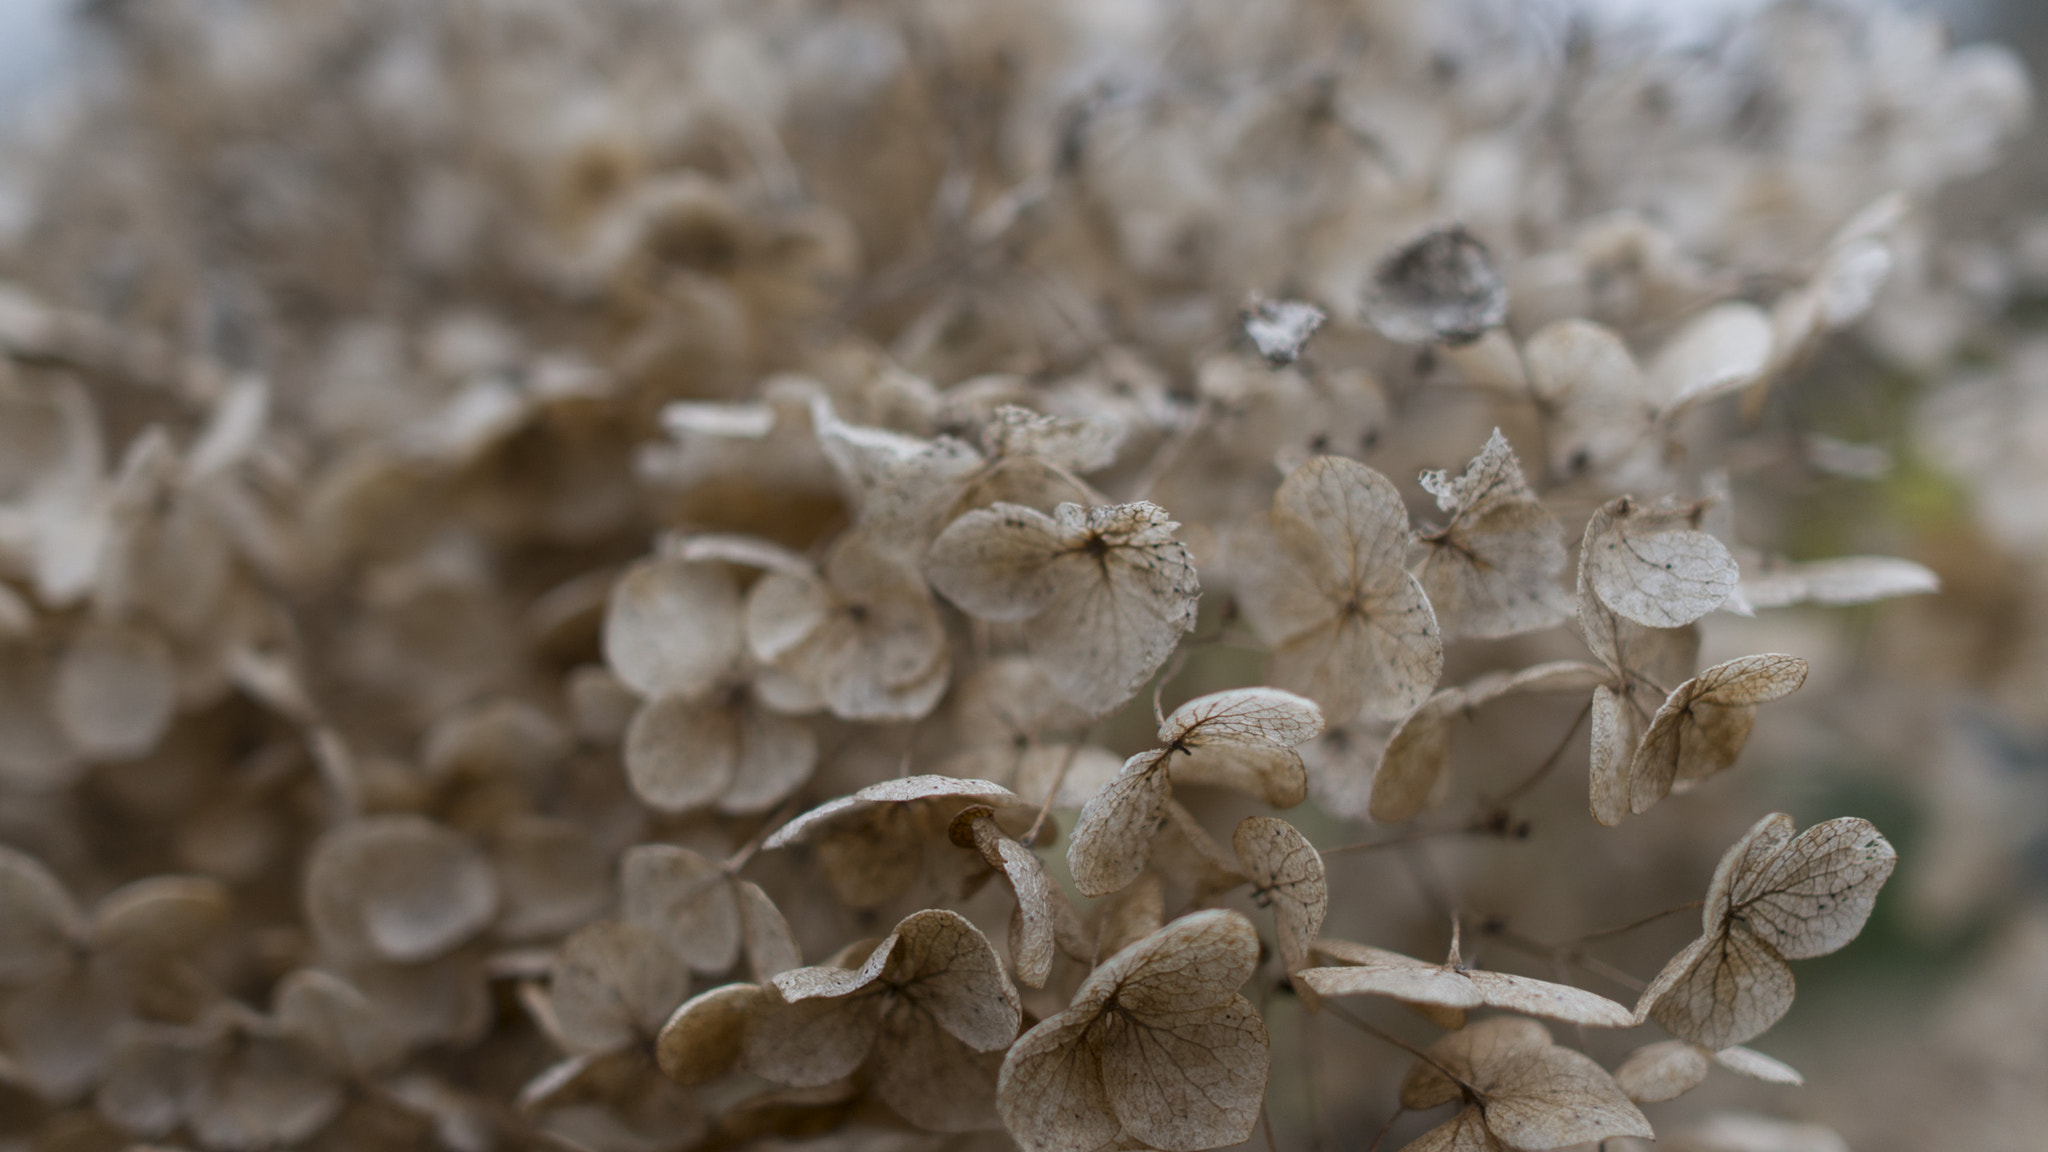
x=1593, y=396
x=1112, y=839
x=1108, y=590
x=1663, y=1071
x=1492, y=570
x=1280, y=329
x=1533, y=1093
x=1722, y=350
x=115, y=692
x=1844, y=580
x=686, y=900
x=1369, y=971
x=1440, y=288
x=1285, y=869
x=1702, y=726
x=41, y=920
x=1646, y=565
x=615, y=983
x=702, y=1040
x=672, y=628
x=398, y=887
x=1352, y=629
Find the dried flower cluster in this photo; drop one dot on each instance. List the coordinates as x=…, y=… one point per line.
x=552, y=552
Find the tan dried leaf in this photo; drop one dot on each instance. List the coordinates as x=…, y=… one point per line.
x=1157, y=1045
x=1532, y=1093
x=1286, y=871
x=1108, y=590
x=1492, y=570
x=1702, y=726
x=672, y=628
x=1440, y=288
x=1351, y=628
x=1652, y=567
x=1774, y=897
x=1369, y=971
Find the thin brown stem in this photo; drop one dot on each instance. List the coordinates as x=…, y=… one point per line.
x=1632, y=925
x=1059, y=780
x=1419, y=834
x=776, y=819
x=1380, y=1135
x=1550, y=762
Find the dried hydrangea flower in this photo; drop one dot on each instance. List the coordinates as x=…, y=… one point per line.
x=1156, y=1046
x=1775, y=897
x=1107, y=591
x=1042, y=915
x=1492, y=569
x=705, y=915
x=863, y=633
x=1517, y=1090
x=1327, y=584
x=397, y=888
x=1701, y=727
x=917, y=1012
x=1243, y=738
x=872, y=842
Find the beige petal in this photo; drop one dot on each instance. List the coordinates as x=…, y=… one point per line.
x=333, y=1018
x=1440, y=288
x=810, y=1042
x=1724, y=349
x=1757, y=1066
x=1663, y=1071
x=932, y=1078
x=1080, y=444
x=1553, y=1001
x=267, y=1093
x=1112, y=839
x=1285, y=869
x=945, y=967
x=1702, y=726
x=1413, y=762
x=1129, y=915
x=899, y=485
x=1376, y=972
x=1127, y=592
x=1493, y=569
x=1188, y=1079
x=672, y=628
x=1199, y=960
x=1275, y=775
x=1720, y=991
x=1535, y=1095
x=1033, y=930
x=1647, y=565
x=1818, y=892
x=115, y=692
x=999, y=563
x=40, y=917
x=160, y=916
x=1252, y=716
x=551, y=878
x=613, y=983
x=777, y=756
x=1465, y=1132
x=1844, y=580
x=397, y=887
x=939, y=790
x=1596, y=410
x=770, y=948
x=680, y=754
x=1050, y=1093
x=686, y=900
x=703, y=1039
